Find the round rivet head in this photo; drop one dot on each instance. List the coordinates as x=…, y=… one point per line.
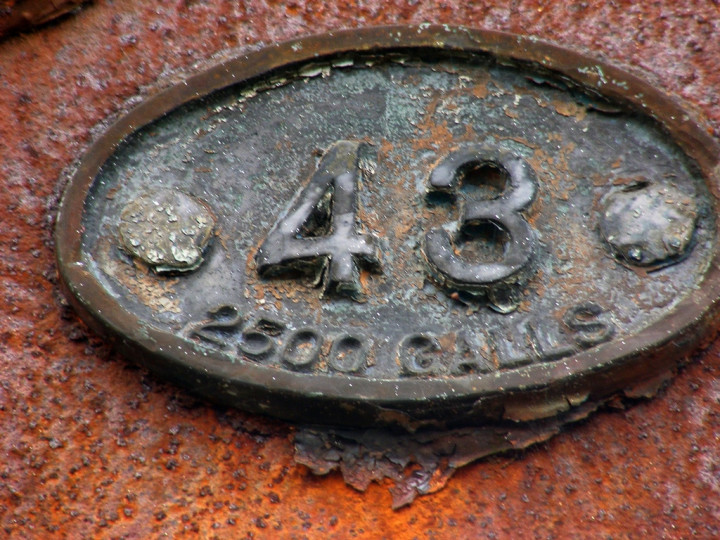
x=648, y=224
x=167, y=229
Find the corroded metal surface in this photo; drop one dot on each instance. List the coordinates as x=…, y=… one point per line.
x=95, y=448
x=19, y=15
x=647, y=224
x=166, y=229
x=448, y=258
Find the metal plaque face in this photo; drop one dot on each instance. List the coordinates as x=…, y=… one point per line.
x=400, y=225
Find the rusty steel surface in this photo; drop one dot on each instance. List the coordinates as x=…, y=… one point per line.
x=18, y=15
x=95, y=447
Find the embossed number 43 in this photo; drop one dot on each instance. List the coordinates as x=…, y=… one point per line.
x=318, y=234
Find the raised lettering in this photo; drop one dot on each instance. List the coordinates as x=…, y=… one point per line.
x=418, y=354
x=590, y=323
x=491, y=219
x=318, y=233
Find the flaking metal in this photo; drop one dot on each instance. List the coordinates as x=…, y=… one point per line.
x=167, y=230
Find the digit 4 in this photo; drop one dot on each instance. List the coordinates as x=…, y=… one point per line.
x=318, y=235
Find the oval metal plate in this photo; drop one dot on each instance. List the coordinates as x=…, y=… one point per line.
x=398, y=225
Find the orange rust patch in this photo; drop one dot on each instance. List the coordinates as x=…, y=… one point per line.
x=150, y=289
x=480, y=90
x=570, y=108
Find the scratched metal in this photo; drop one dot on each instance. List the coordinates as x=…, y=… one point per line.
x=407, y=344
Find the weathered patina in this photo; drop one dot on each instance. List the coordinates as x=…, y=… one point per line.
x=93, y=447
x=468, y=247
